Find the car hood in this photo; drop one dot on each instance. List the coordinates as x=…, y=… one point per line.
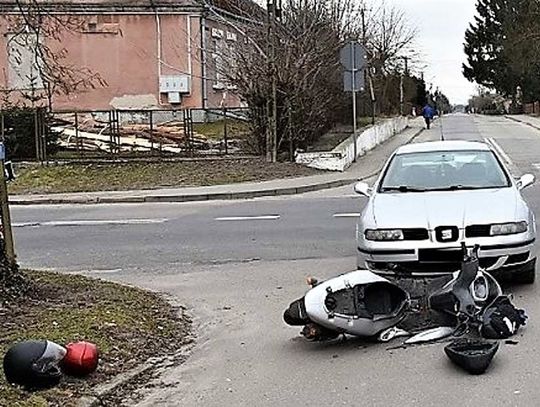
x=445, y=208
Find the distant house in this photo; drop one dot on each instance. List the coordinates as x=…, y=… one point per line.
x=150, y=53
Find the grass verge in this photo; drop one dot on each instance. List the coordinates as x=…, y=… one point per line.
x=140, y=175
x=216, y=130
x=129, y=325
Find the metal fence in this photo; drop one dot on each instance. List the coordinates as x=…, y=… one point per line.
x=113, y=134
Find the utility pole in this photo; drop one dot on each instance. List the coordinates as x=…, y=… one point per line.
x=4, y=203
x=277, y=18
x=401, y=90
x=370, y=79
x=269, y=110
x=273, y=12
x=401, y=96
x=354, y=73
x=406, y=65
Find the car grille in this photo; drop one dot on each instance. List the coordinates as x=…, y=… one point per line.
x=415, y=234
x=477, y=231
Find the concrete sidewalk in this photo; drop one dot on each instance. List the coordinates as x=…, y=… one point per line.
x=531, y=121
x=366, y=167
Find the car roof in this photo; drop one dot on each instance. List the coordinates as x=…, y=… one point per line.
x=451, y=145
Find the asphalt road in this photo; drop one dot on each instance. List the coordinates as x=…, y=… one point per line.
x=238, y=264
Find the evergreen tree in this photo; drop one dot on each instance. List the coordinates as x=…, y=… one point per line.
x=484, y=42
x=501, y=47
x=421, y=93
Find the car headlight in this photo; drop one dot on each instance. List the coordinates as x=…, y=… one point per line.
x=508, y=228
x=384, y=234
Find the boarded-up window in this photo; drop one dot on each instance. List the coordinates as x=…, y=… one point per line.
x=23, y=62
x=102, y=24
x=218, y=64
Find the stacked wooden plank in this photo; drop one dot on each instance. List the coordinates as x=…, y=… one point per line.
x=93, y=134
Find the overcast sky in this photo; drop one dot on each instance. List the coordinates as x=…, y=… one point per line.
x=441, y=27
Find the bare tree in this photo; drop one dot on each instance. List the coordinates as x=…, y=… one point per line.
x=307, y=42
x=309, y=86
x=390, y=36
x=390, y=42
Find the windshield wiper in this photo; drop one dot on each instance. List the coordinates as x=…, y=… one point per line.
x=455, y=188
x=403, y=188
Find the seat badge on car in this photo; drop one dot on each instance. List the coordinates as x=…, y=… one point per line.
x=446, y=234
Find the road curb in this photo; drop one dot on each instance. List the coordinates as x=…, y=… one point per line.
x=151, y=366
x=190, y=197
x=248, y=194
x=99, y=392
x=522, y=122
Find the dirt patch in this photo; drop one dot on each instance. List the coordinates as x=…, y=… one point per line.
x=129, y=326
x=141, y=175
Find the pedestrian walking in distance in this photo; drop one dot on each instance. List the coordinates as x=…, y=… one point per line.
x=428, y=114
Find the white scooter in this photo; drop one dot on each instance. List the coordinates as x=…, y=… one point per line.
x=364, y=304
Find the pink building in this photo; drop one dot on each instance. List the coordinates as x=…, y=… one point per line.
x=150, y=53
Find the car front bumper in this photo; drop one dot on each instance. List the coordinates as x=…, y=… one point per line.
x=430, y=259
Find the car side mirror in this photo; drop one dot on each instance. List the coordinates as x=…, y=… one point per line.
x=525, y=181
x=362, y=188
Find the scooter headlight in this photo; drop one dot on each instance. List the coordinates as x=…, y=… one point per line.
x=480, y=288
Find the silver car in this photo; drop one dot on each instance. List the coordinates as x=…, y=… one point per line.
x=432, y=196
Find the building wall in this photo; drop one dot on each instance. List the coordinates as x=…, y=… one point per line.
x=218, y=38
x=123, y=49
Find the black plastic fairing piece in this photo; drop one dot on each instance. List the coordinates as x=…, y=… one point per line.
x=457, y=298
x=501, y=319
x=296, y=314
x=472, y=355
x=461, y=288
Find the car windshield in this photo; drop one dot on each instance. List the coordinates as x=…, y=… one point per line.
x=444, y=170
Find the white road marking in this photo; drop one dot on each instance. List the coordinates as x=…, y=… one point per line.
x=96, y=222
x=346, y=215
x=104, y=271
x=499, y=150
x=242, y=218
x=536, y=166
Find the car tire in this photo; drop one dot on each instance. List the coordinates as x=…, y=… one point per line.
x=527, y=275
